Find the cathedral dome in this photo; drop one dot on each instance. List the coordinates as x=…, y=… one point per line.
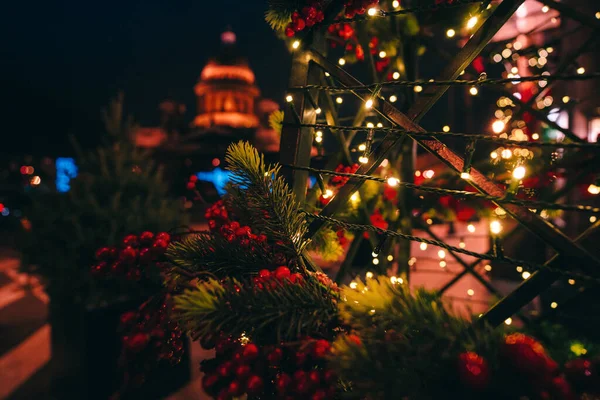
x=226, y=91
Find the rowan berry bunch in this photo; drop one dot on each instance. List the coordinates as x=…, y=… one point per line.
x=306, y=17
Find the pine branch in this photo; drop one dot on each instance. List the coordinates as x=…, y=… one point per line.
x=279, y=13
x=326, y=243
x=265, y=197
x=282, y=311
x=215, y=255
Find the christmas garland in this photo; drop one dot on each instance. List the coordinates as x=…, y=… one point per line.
x=283, y=330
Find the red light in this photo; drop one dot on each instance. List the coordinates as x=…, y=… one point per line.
x=24, y=169
x=1, y=207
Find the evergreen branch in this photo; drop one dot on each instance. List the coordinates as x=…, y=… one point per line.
x=326, y=243
x=279, y=311
x=279, y=13
x=265, y=197
x=213, y=254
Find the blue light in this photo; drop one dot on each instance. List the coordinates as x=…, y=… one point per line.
x=5, y=212
x=218, y=177
x=66, y=169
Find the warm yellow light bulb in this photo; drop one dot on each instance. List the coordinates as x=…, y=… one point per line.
x=471, y=228
x=396, y=75
x=296, y=44
x=363, y=160
x=441, y=254
x=493, y=155
x=470, y=292
x=519, y=172
x=395, y=4
x=508, y=321
x=362, y=147
x=474, y=91
x=370, y=125
x=289, y=98
x=376, y=261
x=318, y=110
x=318, y=139
x=339, y=100
x=319, y=133
x=369, y=103
x=593, y=189
x=581, y=70
x=487, y=267
x=446, y=128
x=418, y=89
x=498, y=126
x=450, y=33
x=369, y=275
x=495, y=227
x=382, y=54
x=465, y=175
x=328, y=193
x=393, y=99
x=423, y=246
x=525, y=275
x=566, y=99
x=393, y=181
x=472, y=22
x=341, y=61
x=372, y=11
x=390, y=258
x=554, y=304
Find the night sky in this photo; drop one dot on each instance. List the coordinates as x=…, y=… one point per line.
x=63, y=61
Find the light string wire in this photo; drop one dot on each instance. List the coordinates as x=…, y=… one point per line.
x=531, y=204
x=470, y=136
x=412, y=10
x=453, y=82
x=413, y=238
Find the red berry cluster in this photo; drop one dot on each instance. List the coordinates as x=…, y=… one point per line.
x=529, y=358
x=269, y=371
x=267, y=279
x=149, y=336
x=378, y=221
x=216, y=215
x=473, y=371
x=191, y=183
x=338, y=181
x=307, y=17
x=133, y=258
x=341, y=235
x=354, y=7
x=234, y=232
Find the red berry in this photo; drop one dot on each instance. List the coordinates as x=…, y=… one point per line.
x=296, y=278
x=299, y=24
x=282, y=383
x=250, y=352
x=329, y=376
x=314, y=377
x=190, y=185
x=320, y=394
x=104, y=254
x=235, y=389
x=300, y=358
x=137, y=342
x=473, y=370
x=146, y=238
x=117, y=268
x=130, y=240
x=242, y=372
x=209, y=382
x=225, y=369
x=264, y=273
x=163, y=235
x=160, y=246
x=321, y=348
x=282, y=273
x=275, y=356
x=99, y=269
x=254, y=386
x=127, y=318
x=128, y=255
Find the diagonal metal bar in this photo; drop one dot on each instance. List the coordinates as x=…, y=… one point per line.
x=529, y=289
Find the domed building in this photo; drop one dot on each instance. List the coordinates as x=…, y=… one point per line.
x=228, y=109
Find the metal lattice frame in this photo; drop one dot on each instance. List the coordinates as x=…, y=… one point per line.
x=308, y=67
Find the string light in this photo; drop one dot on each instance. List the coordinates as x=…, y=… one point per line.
x=525, y=275
x=519, y=172
x=429, y=221
x=446, y=128
x=369, y=275
x=318, y=139
x=553, y=304
x=362, y=147
x=545, y=9
x=328, y=193
x=470, y=292
x=342, y=61
x=369, y=103
x=418, y=89
x=396, y=75
x=390, y=258
x=353, y=285
x=506, y=153
x=393, y=99
x=462, y=244
x=571, y=281
x=319, y=133
x=581, y=70
x=443, y=264
x=441, y=254
x=519, y=269
x=296, y=44
x=506, y=53
x=498, y=126
x=370, y=125
x=472, y=22
x=488, y=267
x=339, y=100
x=493, y=155
x=495, y=227
x=393, y=181
x=395, y=4
x=428, y=174
x=355, y=197
x=382, y=54
x=566, y=99
x=508, y=321
x=423, y=246
x=474, y=91
x=289, y=98
x=450, y=33
x=372, y=11
x=593, y=219
x=535, y=136
x=379, y=125
x=375, y=261
x=363, y=160
x=471, y=228
x=318, y=110
x=465, y=175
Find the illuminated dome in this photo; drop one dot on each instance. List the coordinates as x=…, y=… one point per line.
x=226, y=91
